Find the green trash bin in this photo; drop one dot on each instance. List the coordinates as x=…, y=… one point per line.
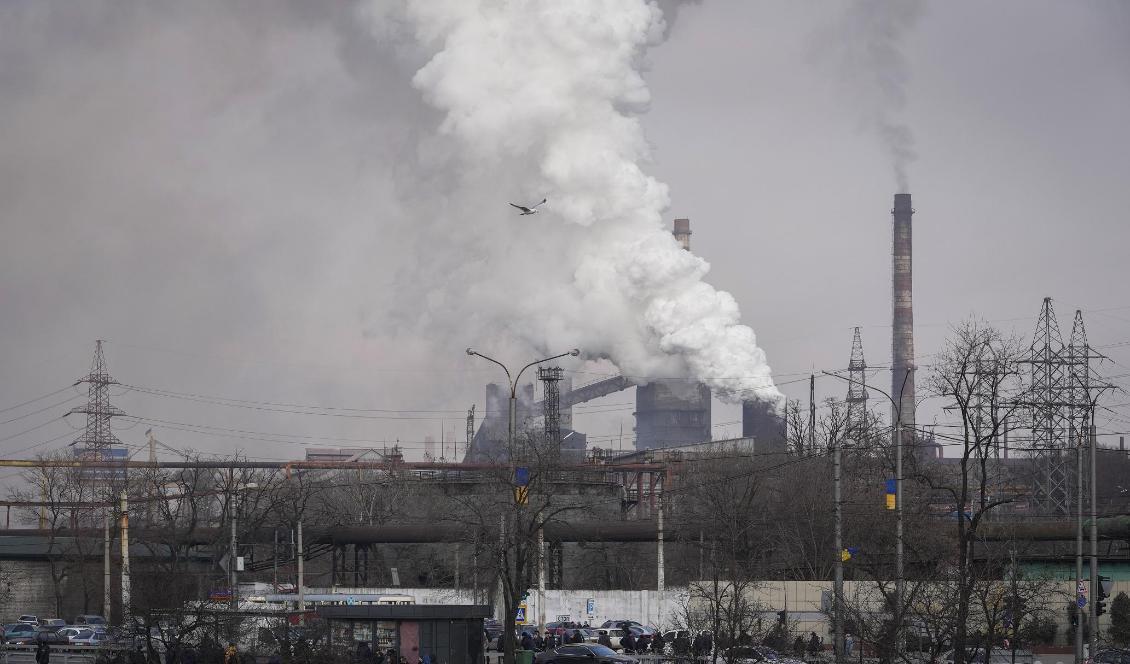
x=523, y=657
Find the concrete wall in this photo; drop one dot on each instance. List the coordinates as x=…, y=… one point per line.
x=25, y=587
x=802, y=599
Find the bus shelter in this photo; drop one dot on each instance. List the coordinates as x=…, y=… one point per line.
x=428, y=633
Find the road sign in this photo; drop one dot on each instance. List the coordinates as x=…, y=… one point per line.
x=521, y=476
x=522, y=495
x=590, y=606
x=520, y=614
x=1082, y=601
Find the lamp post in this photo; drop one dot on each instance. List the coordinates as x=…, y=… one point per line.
x=897, y=405
x=511, y=425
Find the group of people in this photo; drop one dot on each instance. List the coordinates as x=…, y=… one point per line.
x=366, y=655
x=815, y=645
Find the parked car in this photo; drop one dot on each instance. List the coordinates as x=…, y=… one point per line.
x=493, y=628
x=1112, y=656
x=15, y=630
x=614, y=636
x=616, y=623
x=89, y=620
x=29, y=619
x=40, y=635
x=52, y=623
x=582, y=653
x=78, y=636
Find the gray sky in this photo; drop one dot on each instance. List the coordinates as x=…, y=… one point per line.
x=220, y=194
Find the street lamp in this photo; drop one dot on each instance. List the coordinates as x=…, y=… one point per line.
x=897, y=405
x=513, y=383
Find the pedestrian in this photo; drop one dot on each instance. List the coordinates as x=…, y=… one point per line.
x=231, y=654
x=628, y=642
x=798, y=646
x=814, y=645
x=657, y=644
x=539, y=642
x=364, y=652
x=682, y=645
x=643, y=644
x=527, y=641
x=707, y=643
x=849, y=644
x=578, y=637
x=42, y=652
x=603, y=639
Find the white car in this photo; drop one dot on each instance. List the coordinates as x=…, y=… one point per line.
x=79, y=636
x=614, y=636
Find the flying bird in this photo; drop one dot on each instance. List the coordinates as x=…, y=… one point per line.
x=533, y=209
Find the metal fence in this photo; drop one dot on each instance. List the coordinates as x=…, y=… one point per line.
x=60, y=654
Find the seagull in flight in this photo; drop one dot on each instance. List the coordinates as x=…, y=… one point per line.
x=533, y=209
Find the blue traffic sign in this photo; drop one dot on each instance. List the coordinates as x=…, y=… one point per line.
x=1082, y=601
x=521, y=476
x=520, y=615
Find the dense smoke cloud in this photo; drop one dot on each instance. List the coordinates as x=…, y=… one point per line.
x=542, y=99
x=865, y=47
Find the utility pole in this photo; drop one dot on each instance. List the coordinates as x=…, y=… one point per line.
x=301, y=579
x=1094, y=543
x=660, y=564
x=124, y=506
x=232, y=553
x=1080, y=615
x=838, y=590
x=812, y=413
x=275, y=564
x=106, y=565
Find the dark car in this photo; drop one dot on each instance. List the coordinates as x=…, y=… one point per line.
x=578, y=653
x=17, y=630
x=493, y=629
x=40, y=635
x=1112, y=656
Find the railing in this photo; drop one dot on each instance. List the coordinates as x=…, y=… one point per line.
x=60, y=654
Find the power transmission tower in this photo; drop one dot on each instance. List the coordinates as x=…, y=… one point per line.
x=97, y=439
x=551, y=406
x=1079, y=376
x=1049, y=402
x=857, y=387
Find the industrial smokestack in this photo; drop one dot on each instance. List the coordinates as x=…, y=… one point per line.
x=682, y=232
x=902, y=322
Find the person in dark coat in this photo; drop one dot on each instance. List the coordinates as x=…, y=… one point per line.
x=696, y=645
x=578, y=637
x=707, y=643
x=798, y=646
x=814, y=645
x=539, y=642
x=657, y=644
x=42, y=651
x=604, y=640
x=629, y=642
x=682, y=645
x=527, y=641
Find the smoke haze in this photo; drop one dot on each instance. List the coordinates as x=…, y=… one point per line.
x=543, y=99
x=865, y=47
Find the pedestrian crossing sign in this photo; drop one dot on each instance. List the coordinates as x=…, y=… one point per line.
x=520, y=614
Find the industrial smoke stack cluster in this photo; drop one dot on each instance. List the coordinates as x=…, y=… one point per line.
x=902, y=318
x=673, y=412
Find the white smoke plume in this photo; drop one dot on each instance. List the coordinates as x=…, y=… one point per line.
x=865, y=49
x=542, y=98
